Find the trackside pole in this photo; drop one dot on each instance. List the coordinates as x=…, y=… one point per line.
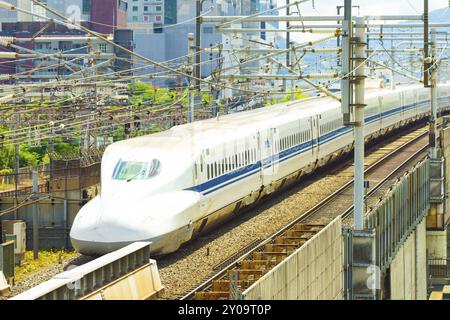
x=191, y=89
x=359, y=79
x=433, y=80
x=35, y=217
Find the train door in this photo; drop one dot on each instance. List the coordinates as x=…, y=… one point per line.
x=415, y=102
x=401, y=98
x=315, y=136
x=380, y=112
x=267, y=155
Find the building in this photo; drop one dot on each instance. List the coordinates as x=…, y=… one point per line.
x=103, y=16
x=108, y=17
x=161, y=28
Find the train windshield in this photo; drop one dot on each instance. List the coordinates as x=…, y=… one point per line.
x=134, y=170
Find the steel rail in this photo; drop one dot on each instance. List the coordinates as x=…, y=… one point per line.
x=220, y=274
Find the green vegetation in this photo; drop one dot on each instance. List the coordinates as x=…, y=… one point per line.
x=298, y=95
x=146, y=93
x=30, y=155
x=142, y=96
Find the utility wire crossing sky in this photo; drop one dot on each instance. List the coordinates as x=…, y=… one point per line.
x=370, y=7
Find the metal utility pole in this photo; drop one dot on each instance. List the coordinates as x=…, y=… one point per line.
x=346, y=88
x=16, y=167
x=353, y=69
x=338, y=39
x=359, y=79
x=288, y=34
x=292, y=66
x=433, y=79
x=198, y=43
x=35, y=217
x=191, y=89
x=426, y=64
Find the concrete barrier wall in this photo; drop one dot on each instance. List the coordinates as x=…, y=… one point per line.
x=314, y=271
x=408, y=268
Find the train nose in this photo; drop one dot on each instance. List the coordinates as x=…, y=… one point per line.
x=91, y=248
x=94, y=233
x=105, y=238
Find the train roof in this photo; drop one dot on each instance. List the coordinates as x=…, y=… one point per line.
x=216, y=131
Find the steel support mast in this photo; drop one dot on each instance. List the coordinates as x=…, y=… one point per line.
x=352, y=101
x=359, y=105
x=433, y=85
x=191, y=89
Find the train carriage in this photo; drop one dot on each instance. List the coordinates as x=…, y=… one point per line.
x=171, y=186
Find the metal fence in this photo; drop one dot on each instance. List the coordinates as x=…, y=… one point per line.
x=439, y=268
x=400, y=211
x=314, y=271
x=7, y=260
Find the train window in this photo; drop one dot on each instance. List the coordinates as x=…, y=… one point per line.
x=135, y=170
x=208, y=171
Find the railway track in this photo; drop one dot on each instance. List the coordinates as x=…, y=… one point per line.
x=252, y=262
x=260, y=255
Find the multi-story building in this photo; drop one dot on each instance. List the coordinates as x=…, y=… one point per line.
x=108, y=17
x=161, y=28
x=146, y=11
x=103, y=16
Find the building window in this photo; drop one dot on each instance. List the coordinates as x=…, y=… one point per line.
x=158, y=18
x=135, y=19
x=157, y=28
x=102, y=47
x=86, y=6
x=158, y=8
x=135, y=9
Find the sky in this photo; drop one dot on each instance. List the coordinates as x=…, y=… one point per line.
x=367, y=7
x=370, y=7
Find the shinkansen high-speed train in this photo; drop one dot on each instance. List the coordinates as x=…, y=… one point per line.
x=171, y=186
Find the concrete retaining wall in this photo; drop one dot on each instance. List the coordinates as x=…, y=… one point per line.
x=408, y=268
x=314, y=271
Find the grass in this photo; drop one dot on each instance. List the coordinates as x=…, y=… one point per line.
x=46, y=259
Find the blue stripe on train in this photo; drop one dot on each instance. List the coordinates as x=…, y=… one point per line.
x=249, y=170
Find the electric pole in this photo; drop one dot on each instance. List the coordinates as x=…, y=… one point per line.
x=191, y=89
x=359, y=105
x=353, y=75
x=292, y=66
x=426, y=64
x=288, y=42
x=198, y=44
x=433, y=80
x=16, y=167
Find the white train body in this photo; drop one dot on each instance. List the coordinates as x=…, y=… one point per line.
x=169, y=187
